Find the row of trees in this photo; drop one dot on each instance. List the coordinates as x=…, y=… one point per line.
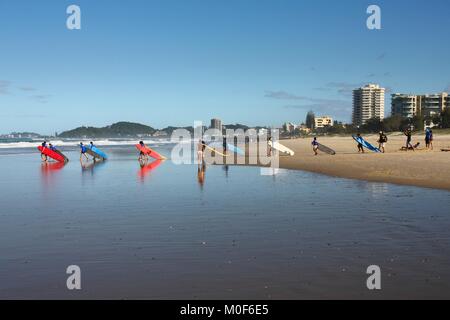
x=390, y=124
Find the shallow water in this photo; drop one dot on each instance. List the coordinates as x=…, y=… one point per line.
x=166, y=234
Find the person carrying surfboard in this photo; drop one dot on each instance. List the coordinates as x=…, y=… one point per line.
x=315, y=146
x=408, y=135
x=360, y=146
x=143, y=157
x=382, y=141
x=83, y=152
x=44, y=156
x=201, y=151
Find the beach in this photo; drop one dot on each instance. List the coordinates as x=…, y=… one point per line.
x=423, y=168
x=169, y=232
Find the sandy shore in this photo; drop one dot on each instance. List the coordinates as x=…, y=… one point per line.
x=423, y=168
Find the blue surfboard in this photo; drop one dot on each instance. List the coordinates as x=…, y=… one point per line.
x=365, y=144
x=97, y=153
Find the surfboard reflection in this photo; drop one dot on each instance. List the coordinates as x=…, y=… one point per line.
x=146, y=168
x=90, y=167
x=49, y=175
x=48, y=167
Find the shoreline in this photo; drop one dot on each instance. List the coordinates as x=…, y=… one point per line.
x=421, y=168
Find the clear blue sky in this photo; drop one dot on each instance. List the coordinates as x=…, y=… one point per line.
x=170, y=62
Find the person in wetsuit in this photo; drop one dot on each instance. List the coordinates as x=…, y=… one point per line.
x=83, y=152
x=315, y=146
x=44, y=156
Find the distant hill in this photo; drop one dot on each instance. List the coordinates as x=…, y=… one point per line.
x=116, y=130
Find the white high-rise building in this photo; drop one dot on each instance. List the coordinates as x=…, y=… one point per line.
x=368, y=102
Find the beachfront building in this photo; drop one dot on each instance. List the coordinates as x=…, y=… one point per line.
x=368, y=102
x=324, y=121
x=405, y=105
x=428, y=105
x=289, y=127
x=433, y=104
x=216, y=124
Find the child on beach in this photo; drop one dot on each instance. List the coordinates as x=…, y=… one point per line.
x=382, y=141
x=360, y=146
x=83, y=152
x=408, y=135
x=431, y=139
x=143, y=157
x=315, y=145
x=43, y=156
x=427, y=138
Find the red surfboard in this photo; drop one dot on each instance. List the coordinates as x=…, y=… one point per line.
x=52, y=154
x=150, y=152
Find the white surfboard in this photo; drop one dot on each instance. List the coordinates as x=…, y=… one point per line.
x=278, y=146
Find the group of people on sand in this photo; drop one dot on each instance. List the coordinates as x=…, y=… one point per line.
x=383, y=139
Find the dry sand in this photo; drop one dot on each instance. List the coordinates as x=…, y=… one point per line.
x=423, y=168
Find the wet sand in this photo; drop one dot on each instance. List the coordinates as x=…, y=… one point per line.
x=423, y=168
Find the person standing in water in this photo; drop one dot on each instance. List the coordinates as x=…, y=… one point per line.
x=200, y=151
x=224, y=144
x=315, y=146
x=44, y=156
x=382, y=141
x=143, y=157
x=83, y=151
x=360, y=146
x=408, y=135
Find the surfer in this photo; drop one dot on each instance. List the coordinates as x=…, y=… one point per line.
x=224, y=144
x=382, y=141
x=360, y=146
x=83, y=152
x=315, y=146
x=44, y=156
x=143, y=157
x=200, y=151
x=408, y=135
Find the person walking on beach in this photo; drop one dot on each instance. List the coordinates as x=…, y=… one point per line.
x=315, y=146
x=360, y=146
x=83, y=151
x=431, y=139
x=143, y=157
x=54, y=149
x=408, y=135
x=382, y=141
x=427, y=138
x=44, y=156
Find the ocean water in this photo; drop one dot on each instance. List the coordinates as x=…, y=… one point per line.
x=174, y=232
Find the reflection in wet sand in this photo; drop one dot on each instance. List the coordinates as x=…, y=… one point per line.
x=201, y=170
x=146, y=168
